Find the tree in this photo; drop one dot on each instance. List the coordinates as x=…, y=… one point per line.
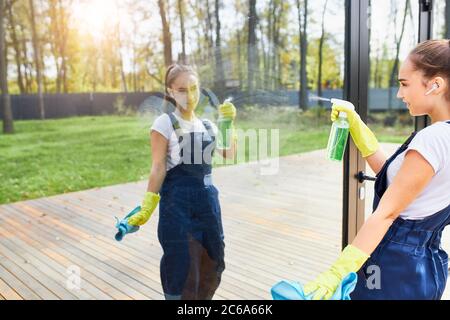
x=183, y=31
x=276, y=18
x=16, y=46
x=398, y=42
x=252, y=51
x=37, y=58
x=219, y=74
x=239, y=7
x=321, y=41
x=8, y=125
x=122, y=70
x=302, y=21
x=167, y=36
x=58, y=40
x=209, y=30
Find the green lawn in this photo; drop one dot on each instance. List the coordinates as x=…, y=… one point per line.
x=50, y=157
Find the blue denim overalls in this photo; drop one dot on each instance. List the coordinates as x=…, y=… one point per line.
x=412, y=265
x=190, y=224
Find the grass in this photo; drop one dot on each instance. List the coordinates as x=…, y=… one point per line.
x=50, y=157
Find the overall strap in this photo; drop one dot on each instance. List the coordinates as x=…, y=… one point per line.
x=209, y=128
x=176, y=127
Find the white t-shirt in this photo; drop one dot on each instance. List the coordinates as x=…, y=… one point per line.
x=433, y=143
x=163, y=125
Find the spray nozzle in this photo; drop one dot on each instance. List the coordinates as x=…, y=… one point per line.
x=343, y=103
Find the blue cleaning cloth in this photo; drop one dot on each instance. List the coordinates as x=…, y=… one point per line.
x=290, y=290
x=123, y=227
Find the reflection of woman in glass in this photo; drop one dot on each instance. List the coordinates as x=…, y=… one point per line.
x=190, y=225
x=401, y=240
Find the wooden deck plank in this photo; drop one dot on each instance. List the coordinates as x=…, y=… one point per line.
x=282, y=239
x=53, y=279
x=51, y=236
x=120, y=267
x=34, y=284
x=13, y=282
x=110, y=277
x=130, y=238
x=84, y=202
x=7, y=292
x=286, y=226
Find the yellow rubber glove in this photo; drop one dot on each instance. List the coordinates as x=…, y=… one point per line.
x=149, y=204
x=350, y=260
x=227, y=110
x=362, y=136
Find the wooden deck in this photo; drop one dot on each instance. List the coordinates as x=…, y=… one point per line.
x=283, y=226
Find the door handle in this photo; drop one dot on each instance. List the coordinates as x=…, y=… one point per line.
x=361, y=176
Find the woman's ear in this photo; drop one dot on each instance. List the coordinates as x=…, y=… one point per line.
x=441, y=84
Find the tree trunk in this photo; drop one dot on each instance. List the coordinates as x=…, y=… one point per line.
x=210, y=31
x=302, y=20
x=220, y=74
x=25, y=65
x=275, y=46
x=252, y=51
x=121, y=66
x=321, y=42
x=278, y=44
x=16, y=46
x=267, y=65
x=54, y=44
x=63, y=35
x=135, y=84
x=239, y=53
x=394, y=71
x=264, y=57
x=167, y=37
x=8, y=125
x=37, y=59
x=183, y=31
x=122, y=74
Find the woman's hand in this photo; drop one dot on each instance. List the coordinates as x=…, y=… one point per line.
x=227, y=110
x=362, y=136
x=325, y=285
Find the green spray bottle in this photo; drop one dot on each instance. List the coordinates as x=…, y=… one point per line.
x=340, y=129
x=225, y=126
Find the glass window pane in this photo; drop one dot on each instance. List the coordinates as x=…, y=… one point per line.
x=393, y=34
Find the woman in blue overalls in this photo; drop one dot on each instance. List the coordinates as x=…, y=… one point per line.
x=190, y=225
x=397, y=253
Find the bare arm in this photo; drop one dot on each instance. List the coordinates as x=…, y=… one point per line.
x=411, y=180
x=377, y=160
x=229, y=153
x=159, y=156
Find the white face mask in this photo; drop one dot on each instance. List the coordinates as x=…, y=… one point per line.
x=181, y=99
x=186, y=99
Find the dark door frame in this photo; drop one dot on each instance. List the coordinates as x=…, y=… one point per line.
x=425, y=33
x=356, y=84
